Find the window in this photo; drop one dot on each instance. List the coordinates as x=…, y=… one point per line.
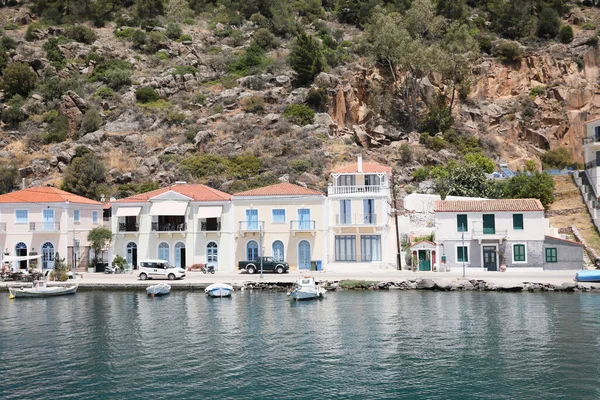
x=369, y=211
x=94, y=217
x=304, y=219
x=345, y=248
x=462, y=223
x=489, y=224
x=163, y=251
x=75, y=215
x=278, y=216
x=519, y=253
x=462, y=254
x=251, y=250
x=370, y=248
x=551, y=255
x=278, y=250
x=21, y=216
x=518, y=221
x=346, y=180
x=372, y=180
x=345, y=212
x=252, y=220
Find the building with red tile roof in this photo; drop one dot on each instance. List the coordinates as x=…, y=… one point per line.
x=488, y=205
x=280, y=189
x=44, y=194
x=196, y=192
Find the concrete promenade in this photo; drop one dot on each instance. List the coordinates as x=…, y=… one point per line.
x=198, y=280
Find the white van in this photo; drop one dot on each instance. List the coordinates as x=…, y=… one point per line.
x=159, y=269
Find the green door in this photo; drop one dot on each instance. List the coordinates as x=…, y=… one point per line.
x=489, y=224
x=424, y=261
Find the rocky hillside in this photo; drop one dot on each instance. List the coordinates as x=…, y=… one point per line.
x=213, y=109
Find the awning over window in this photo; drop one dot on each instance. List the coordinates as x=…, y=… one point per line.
x=20, y=258
x=169, y=208
x=210, y=212
x=128, y=211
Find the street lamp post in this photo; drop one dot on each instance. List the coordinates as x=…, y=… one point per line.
x=260, y=239
x=463, y=249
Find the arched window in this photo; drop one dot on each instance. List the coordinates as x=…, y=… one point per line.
x=212, y=253
x=180, y=255
x=252, y=250
x=278, y=250
x=47, y=255
x=163, y=251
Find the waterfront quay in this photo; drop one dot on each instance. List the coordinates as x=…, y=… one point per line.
x=515, y=280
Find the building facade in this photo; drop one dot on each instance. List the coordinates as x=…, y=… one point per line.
x=359, y=217
x=490, y=233
x=183, y=224
x=284, y=221
x=39, y=224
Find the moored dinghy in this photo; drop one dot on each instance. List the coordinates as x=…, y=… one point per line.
x=306, y=288
x=158, y=290
x=218, y=290
x=41, y=291
x=588, y=276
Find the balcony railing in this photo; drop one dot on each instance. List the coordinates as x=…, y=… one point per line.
x=356, y=219
x=129, y=227
x=589, y=140
x=168, y=227
x=210, y=227
x=489, y=232
x=2, y=226
x=252, y=225
x=303, y=225
x=591, y=164
x=357, y=189
x=44, y=226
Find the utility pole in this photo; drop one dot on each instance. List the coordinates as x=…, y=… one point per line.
x=260, y=239
x=463, y=249
x=395, y=208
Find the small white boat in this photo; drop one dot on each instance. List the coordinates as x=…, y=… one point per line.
x=41, y=291
x=158, y=290
x=218, y=290
x=306, y=288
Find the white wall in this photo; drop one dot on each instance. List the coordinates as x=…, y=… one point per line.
x=423, y=203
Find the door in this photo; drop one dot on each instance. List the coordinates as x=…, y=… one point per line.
x=48, y=217
x=345, y=212
x=47, y=256
x=304, y=255
x=597, y=159
x=131, y=255
x=252, y=251
x=369, y=211
x=489, y=224
x=180, y=255
x=212, y=255
x=21, y=251
x=304, y=217
x=489, y=258
x=424, y=260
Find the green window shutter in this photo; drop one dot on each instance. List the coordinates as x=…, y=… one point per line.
x=551, y=255
x=462, y=254
x=519, y=252
x=518, y=221
x=489, y=224
x=462, y=223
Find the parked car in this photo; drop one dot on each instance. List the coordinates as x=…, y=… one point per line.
x=268, y=264
x=159, y=269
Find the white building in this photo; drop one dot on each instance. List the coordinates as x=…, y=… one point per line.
x=183, y=224
x=38, y=223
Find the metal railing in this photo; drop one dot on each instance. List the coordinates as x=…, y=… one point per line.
x=588, y=140
x=308, y=225
x=357, y=189
x=490, y=232
x=168, y=227
x=44, y=226
x=356, y=219
x=206, y=227
x=252, y=225
x=129, y=227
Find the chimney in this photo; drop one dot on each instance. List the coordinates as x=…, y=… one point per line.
x=23, y=183
x=360, y=163
x=180, y=182
x=102, y=198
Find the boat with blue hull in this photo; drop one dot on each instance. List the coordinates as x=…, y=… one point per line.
x=218, y=290
x=588, y=276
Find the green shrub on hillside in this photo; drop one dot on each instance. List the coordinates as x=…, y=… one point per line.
x=205, y=165
x=18, y=78
x=306, y=58
x=299, y=114
x=245, y=165
x=264, y=38
x=13, y=115
x=565, y=35
x=57, y=130
x=251, y=61
x=254, y=104
x=81, y=34
x=548, y=23
x=115, y=73
x=509, y=52
x=557, y=158
x=8, y=178
x=185, y=69
x=173, y=31
x=146, y=95
x=299, y=166
x=91, y=121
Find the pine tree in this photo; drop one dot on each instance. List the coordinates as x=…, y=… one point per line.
x=306, y=58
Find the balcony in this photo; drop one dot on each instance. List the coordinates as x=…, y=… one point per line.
x=590, y=140
x=129, y=227
x=303, y=226
x=169, y=227
x=251, y=226
x=355, y=219
x=210, y=227
x=358, y=189
x=44, y=226
x=489, y=233
x=591, y=164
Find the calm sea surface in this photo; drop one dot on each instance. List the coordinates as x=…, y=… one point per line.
x=359, y=345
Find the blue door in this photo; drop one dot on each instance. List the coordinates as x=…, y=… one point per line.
x=48, y=216
x=252, y=250
x=252, y=220
x=304, y=217
x=304, y=255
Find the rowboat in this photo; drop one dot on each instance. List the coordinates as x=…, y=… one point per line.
x=218, y=290
x=158, y=290
x=306, y=288
x=42, y=291
x=588, y=276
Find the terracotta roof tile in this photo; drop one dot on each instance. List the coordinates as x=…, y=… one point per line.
x=196, y=192
x=280, y=189
x=488, y=205
x=565, y=240
x=367, y=167
x=44, y=194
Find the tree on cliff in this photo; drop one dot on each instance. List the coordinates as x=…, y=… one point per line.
x=85, y=176
x=8, y=178
x=306, y=58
